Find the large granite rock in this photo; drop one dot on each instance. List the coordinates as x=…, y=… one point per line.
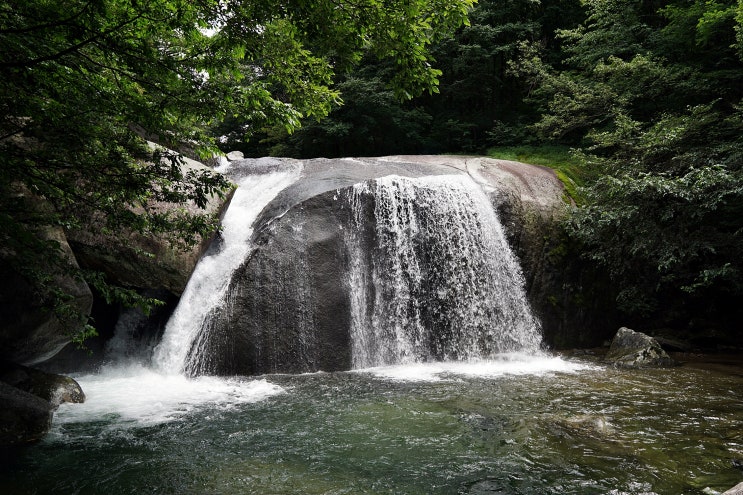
x=736, y=490
x=289, y=304
x=631, y=349
x=283, y=316
x=31, y=334
x=24, y=417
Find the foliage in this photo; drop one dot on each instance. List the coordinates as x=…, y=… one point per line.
x=372, y=122
x=647, y=95
x=479, y=102
x=83, y=82
x=657, y=108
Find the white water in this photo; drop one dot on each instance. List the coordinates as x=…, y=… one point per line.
x=465, y=254
x=443, y=283
x=131, y=391
x=502, y=365
x=208, y=284
x=136, y=395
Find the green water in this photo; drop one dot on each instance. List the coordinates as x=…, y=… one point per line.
x=586, y=431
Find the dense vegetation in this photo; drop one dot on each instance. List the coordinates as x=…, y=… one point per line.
x=648, y=95
x=652, y=93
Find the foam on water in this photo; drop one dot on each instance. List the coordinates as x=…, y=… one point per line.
x=136, y=395
x=501, y=365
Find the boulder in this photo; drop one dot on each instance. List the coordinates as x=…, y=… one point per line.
x=289, y=304
x=53, y=388
x=282, y=316
x=235, y=155
x=631, y=349
x=24, y=417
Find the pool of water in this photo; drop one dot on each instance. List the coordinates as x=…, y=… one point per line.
x=511, y=426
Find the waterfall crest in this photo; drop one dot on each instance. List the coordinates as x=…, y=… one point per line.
x=432, y=276
x=207, y=288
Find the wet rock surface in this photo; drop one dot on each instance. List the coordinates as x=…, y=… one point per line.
x=631, y=349
x=736, y=490
x=29, y=398
x=289, y=305
x=51, y=387
x=24, y=417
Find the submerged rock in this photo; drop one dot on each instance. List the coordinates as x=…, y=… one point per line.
x=631, y=349
x=583, y=425
x=24, y=417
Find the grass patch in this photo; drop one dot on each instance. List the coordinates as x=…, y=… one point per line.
x=558, y=158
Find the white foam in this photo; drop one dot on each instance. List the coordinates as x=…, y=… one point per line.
x=502, y=365
x=137, y=395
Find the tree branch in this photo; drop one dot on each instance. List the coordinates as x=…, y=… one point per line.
x=48, y=24
x=71, y=49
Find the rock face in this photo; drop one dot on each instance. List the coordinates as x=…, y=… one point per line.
x=30, y=333
x=289, y=304
x=53, y=388
x=144, y=262
x=24, y=417
x=631, y=349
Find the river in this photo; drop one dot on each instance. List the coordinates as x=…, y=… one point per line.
x=512, y=425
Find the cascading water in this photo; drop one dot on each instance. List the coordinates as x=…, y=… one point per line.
x=207, y=287
x=435, y=279
x=136, y=392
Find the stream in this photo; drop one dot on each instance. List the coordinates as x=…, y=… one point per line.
x=511, y=425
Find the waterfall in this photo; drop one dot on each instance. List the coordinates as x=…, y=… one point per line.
x=432, y=276
x=207, y=287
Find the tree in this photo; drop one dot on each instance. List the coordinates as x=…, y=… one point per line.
x=371, y=122
x=82, y=82
x=653, y=93
x=477, y=92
